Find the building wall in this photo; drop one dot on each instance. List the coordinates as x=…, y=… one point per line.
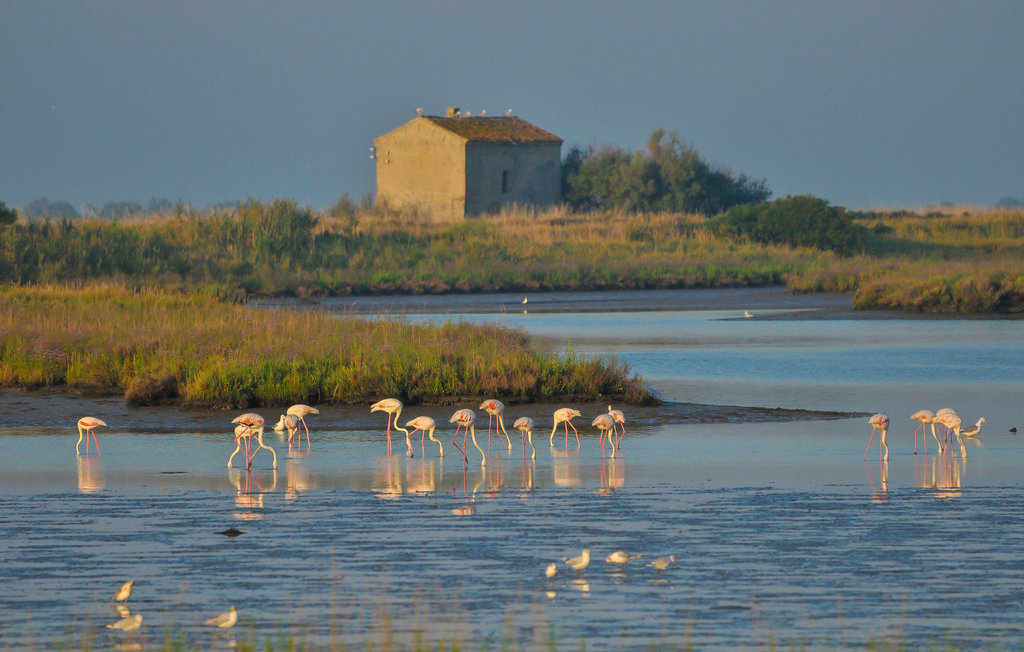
x=420, y=166
x=499, y=174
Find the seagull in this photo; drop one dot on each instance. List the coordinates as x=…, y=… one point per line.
x=551, y=571
x=129, y=624
x=581, y=562
x=972, y=431
x=525, y=300
x=621, y=558
x=748, y=314
x=661, y=563
x=225, y=620
x=124, y=592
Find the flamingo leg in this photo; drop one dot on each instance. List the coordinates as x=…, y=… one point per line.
x=915, y=438
x=389, y=433
x=408, y=443
x=96, y=441
x=937, y=442
x=600, y=440
x=618, y=440
x=872, y=436
x=454, y=437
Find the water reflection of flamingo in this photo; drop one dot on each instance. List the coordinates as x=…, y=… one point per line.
x=302, y=411
x=466, y=418
x=90, y=475
x=565, y=416
x=394, y=409
x=926, y=417
x=525, y=426
x=425, y=425
x=88, y=425
x=878, y=422
x=620, y=419
x=605, y=423
x=493, y=407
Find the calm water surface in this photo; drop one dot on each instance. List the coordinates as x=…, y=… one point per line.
x=783, y=535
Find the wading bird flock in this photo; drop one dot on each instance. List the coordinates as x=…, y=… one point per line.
x=946, y=418
x=130, y=622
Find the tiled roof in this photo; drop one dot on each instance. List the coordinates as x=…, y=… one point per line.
x=497, y=129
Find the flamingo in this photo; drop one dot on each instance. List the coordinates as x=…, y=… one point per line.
x=879, y=422
x=620, y=419
x=394, y=409
x=88, y=425
x=525, y=426
x=972, y=431
x=425, y=425
x=940, y=417
x=925, y=417
x=565, y=415
x=606, y=423
x=249, y=424
x=288, y=422
x=466, y=418
x=493, y=407
x=302, y=411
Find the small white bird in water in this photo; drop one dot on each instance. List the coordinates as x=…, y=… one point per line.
x=622, y=558
x=129, y=624
x=972, y=431
x=525, y=300
x=581, y=562
x=225, y=620
x=661, y=563
x=748, y=314
x=124, y=592
x=551, y=571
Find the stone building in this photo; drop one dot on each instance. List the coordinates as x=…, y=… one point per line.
x=454, y=166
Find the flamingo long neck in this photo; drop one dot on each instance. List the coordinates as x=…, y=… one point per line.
x=430, y=436
x=472, y=432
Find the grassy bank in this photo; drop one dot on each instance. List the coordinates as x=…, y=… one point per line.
x=961, y=260
x=154, y=345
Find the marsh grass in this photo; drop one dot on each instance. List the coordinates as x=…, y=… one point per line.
x=154, y=345
x=960, y=259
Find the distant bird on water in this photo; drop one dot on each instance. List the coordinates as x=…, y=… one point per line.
x=621, y=558
x=972, y=431
x=87, y=426
x=748, y=314
x=225, y=620
x=394, y=409
x=525, y=300
x=129, y=624
x=581, y=562
x=565, y=415
x=878, y=422
x=661, y=563
x=551, y=571
x=926, y=417
x=124, y=592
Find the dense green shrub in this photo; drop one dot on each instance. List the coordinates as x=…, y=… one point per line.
x=7, y=215
x=801, y=221
x=668, y=176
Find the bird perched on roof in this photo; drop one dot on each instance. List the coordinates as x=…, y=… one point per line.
x=124, y=592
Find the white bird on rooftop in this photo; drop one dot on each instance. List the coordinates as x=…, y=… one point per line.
x=124, y=592
x=129, y=624
x=225, y=620
x=622, y=558
x=581, y=562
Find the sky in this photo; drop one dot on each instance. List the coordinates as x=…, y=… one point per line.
x=868, y=104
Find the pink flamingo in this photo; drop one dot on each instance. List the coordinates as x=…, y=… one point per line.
x=925, y=417
x=879, y=422
x=249, y=424
x=88, y=425
x=493, y=407
x=288, y=422
x=606, y=424
x=424, y=425
x=620, y=419
x=466, y=418
x=394, y=409
x=525, y=426
x=940, y=418
x=953, y=422
x=301, y=411
x=565, y=415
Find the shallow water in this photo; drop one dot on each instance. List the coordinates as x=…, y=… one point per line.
x=782, y=535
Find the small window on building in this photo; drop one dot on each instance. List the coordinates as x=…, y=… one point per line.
x=505, y=181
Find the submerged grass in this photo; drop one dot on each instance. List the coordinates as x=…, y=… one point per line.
x=954, y=260
x=154, y=345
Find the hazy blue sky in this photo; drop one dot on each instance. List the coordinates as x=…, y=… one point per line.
x=866, y=104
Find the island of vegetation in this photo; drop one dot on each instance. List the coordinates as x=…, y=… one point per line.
x=152, y=304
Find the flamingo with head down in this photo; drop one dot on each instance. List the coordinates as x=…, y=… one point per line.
x=394, y=409
x=565, y=415
x=926, y=417
x=525, y=426
x=466, y=418
x=493, y=407
x=88, y=425
x=426, y=426
x=878, y=422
